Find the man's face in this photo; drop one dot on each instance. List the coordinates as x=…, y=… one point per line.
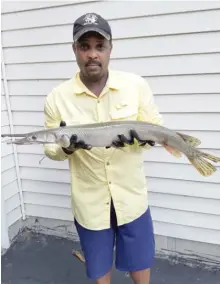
x=92, y=53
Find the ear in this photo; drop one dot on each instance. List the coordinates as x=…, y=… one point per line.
x=74, y=48
x=111, y=46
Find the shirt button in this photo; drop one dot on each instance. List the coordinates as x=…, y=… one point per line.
x=107, y=163
x=98, y=101
x=109, y=182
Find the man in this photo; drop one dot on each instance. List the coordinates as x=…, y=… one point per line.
x=109, y=190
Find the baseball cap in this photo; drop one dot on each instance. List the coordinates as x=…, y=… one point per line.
x=91, y=22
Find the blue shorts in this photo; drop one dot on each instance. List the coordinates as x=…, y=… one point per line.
x=134, y=243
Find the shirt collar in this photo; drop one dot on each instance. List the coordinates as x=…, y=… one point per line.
x=80, y=88
x=113, y=82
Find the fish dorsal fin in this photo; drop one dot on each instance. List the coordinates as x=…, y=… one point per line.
x=193, y=141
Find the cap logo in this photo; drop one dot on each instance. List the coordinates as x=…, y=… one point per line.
x=90, y=19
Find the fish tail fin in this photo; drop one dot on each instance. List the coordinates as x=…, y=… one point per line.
x=210, y=157
x=203, y=167
x=191, y=140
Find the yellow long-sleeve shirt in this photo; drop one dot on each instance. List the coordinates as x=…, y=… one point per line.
x=100, y=174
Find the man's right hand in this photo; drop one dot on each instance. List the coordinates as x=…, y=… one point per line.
x=74, y=143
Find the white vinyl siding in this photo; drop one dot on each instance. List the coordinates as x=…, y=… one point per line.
x=9, y=187
x=175, y=46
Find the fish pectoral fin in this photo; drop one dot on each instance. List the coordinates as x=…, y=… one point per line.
x=191, y=140
x=173, y=151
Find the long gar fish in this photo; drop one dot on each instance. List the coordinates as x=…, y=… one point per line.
x=103, y=135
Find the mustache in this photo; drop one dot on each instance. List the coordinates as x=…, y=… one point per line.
x=94, y=62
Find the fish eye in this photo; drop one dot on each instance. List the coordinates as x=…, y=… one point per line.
x=34, y=137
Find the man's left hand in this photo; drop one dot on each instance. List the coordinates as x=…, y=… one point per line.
x=122, y=140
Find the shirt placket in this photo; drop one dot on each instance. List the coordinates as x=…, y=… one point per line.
x=101, y=118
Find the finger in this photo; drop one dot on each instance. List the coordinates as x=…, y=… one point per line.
x=151, y=143
x=80, y=144
x=125, y=139
x=73, y=139
x=142, y=142
x=67, y=151
x=118, y=144
x=87, y=147
x=62, y=123
x=134, y=134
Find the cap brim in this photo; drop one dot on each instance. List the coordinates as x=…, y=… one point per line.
x=91, y=29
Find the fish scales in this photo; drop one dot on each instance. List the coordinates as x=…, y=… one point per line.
x=103, y=134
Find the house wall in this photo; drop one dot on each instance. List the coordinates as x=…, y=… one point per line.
x=175, y=46
x=10, y=198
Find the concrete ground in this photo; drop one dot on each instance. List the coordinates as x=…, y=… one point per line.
x=41, y=259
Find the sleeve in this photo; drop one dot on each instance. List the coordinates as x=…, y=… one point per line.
x=148, y=109
x=52, y=120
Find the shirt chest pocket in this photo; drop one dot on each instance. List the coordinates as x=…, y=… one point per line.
x=127, y=112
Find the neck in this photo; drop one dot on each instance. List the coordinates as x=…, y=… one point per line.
x=95, y=85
